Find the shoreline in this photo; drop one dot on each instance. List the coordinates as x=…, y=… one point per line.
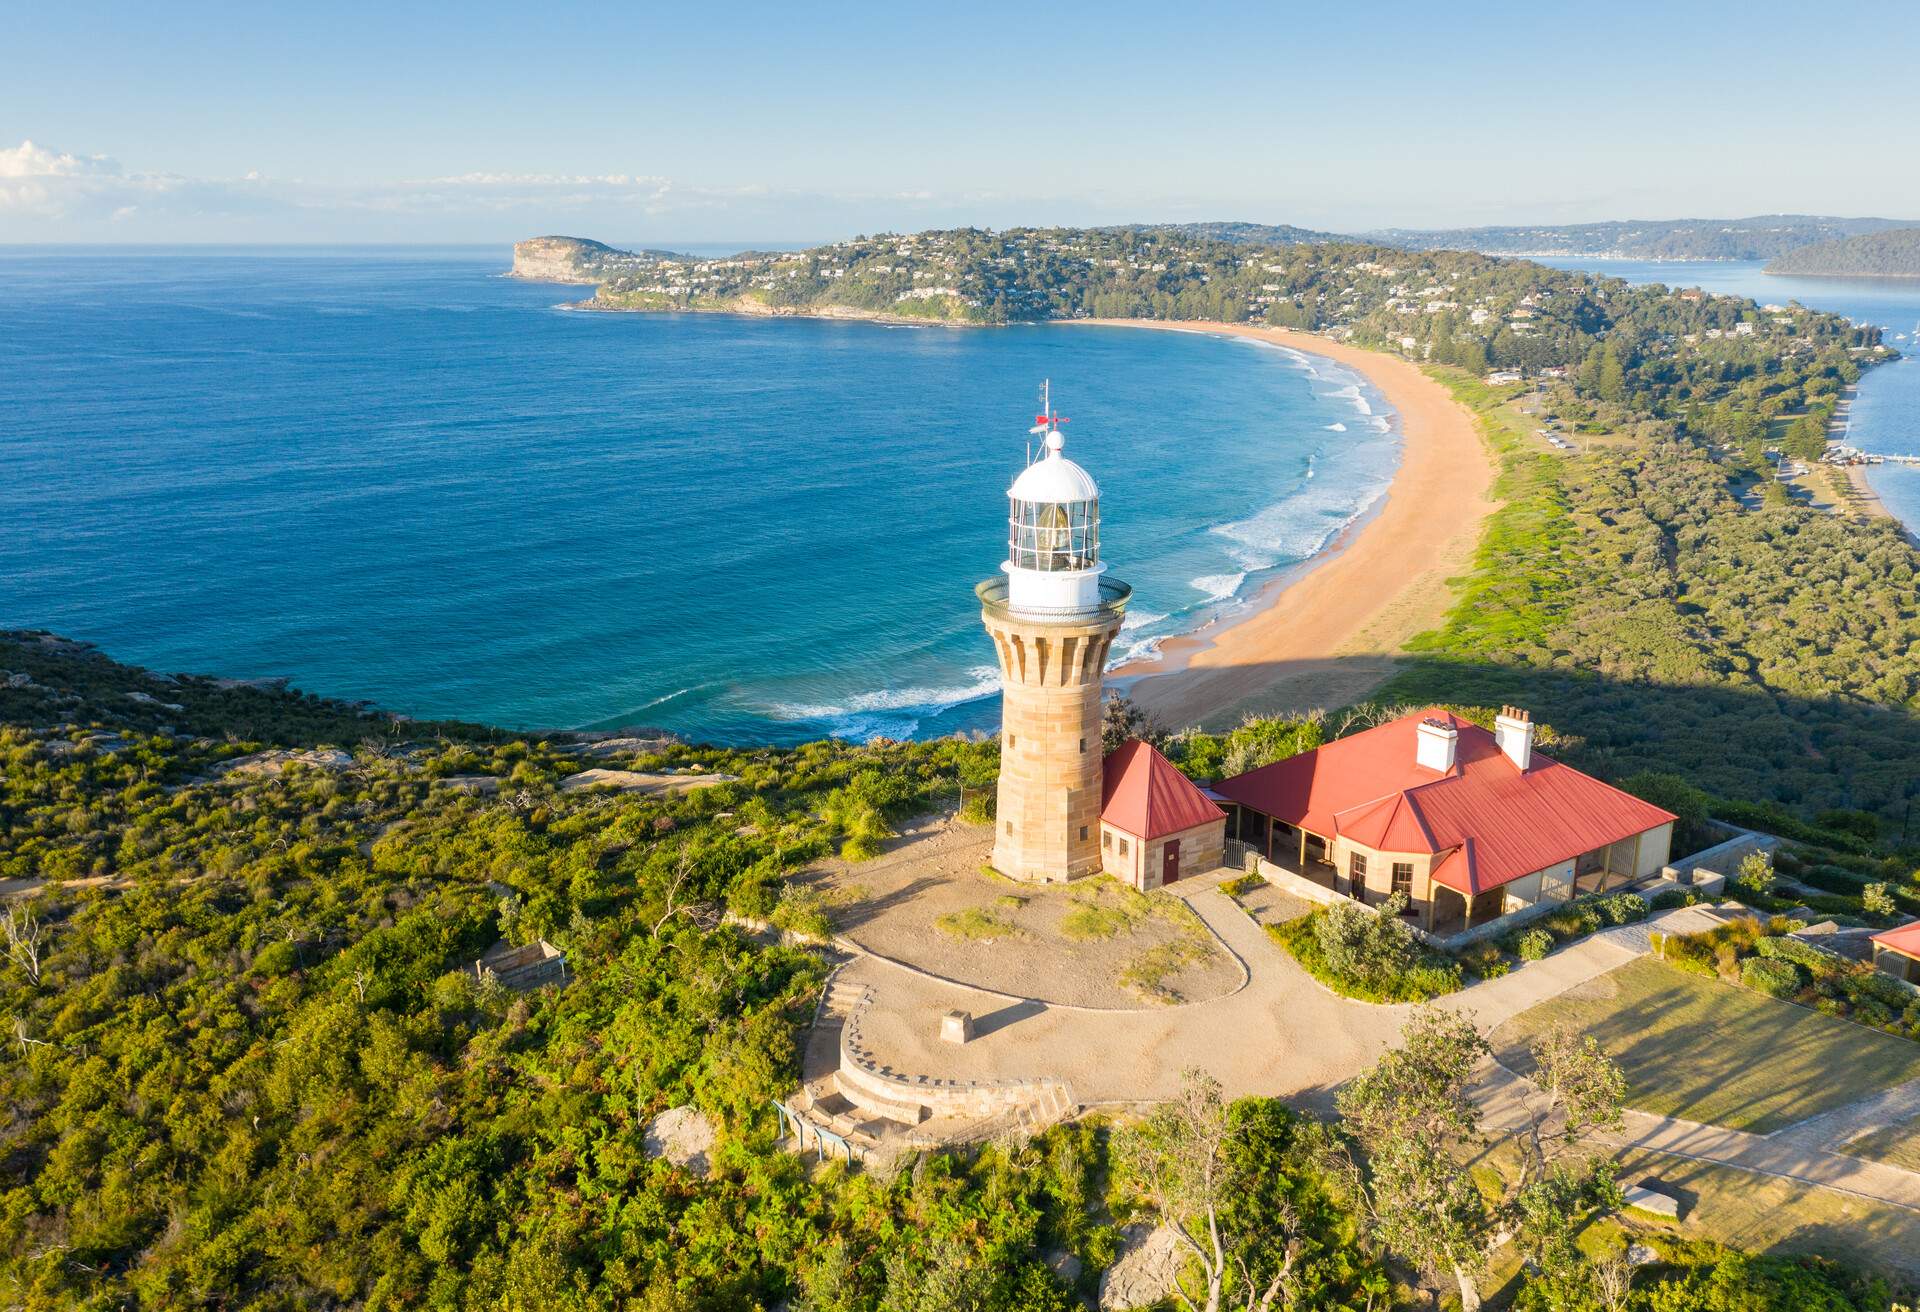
x=1328, y=631
x=1302, y=641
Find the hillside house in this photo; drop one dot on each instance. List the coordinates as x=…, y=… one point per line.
x=1470, y=825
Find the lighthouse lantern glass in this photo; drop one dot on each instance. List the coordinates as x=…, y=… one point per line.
x=1054, y=535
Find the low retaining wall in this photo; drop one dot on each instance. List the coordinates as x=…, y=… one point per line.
x=1724, y=858
x=1295, y=885
x=912, y=1098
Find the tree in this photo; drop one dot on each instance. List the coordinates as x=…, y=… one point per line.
x=1199, y=1164
x=1411, y=1122
x=1755, y=873
x=23, y=934
x=1610, y=381
x=1122, y=718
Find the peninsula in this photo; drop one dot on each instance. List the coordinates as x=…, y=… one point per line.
x=1892, y=254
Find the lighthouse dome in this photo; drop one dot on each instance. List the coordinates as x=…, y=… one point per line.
x=1054, y=479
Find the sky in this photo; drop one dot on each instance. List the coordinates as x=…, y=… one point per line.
x=720, y=123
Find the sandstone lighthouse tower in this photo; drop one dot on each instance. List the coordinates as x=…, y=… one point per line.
x=1052, y=616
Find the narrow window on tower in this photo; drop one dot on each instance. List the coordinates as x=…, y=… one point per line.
x=1009, y=829
x=1011, y=740
x=1083, y=750
x=1083, y=833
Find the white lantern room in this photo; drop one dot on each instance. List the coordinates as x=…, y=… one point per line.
x=1053, y=537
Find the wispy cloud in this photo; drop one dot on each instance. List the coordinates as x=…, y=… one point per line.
x=48, y=194
x=56, y=195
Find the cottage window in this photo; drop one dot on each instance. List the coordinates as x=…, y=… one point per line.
x=1357, y=867
x=1106, y=840
x=1123, y=847
x=1403, y=877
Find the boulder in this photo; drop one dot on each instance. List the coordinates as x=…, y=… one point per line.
x=1145, y=1272
x=681, y=1135
x=1653, y=1202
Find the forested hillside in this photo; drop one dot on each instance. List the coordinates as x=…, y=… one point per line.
x=1893, y=254
x=251, y=1064
x=1758, y=238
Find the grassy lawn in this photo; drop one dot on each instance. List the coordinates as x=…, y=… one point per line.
x=1709, y=1052
x=1762, y=1214
x=976, y=923
x=1896, y=1145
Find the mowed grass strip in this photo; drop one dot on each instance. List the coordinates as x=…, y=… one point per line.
x=1710, y=1052
x=1896, y=1145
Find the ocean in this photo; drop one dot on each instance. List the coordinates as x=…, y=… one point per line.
x=1885, y=415
x=392, y=474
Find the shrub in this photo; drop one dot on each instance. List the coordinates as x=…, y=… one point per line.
x=1364, y=945
x=1875, y=900
x=1755, y=874
x=1675, y=897
x=1884, y=989
x=1624, y=908
x=1773, y=977
x=1243, y=884
x=1815, y=961
x=1532, y=944
x=1430, y=976
x=1484, y=960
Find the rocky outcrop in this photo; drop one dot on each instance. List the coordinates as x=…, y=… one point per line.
x=562, y=259
x=682, y=1136
x=1145, y=1271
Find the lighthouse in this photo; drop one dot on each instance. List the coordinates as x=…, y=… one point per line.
x=1053, y=614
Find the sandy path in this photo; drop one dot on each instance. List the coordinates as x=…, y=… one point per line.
x=1328, y=636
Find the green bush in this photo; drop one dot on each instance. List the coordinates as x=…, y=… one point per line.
x=1816, y=961
x=1771, y=976
x=1430, y=974
x=1484, y=959
x=1624, y=908
x=1532, y=944
x=1884, y=989
x=1675, y=897
x=277, y=959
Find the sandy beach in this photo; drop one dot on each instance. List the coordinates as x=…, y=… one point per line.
x=1329, y=633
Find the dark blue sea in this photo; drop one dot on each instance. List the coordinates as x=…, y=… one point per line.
x=1885, y=416
x=393, y=474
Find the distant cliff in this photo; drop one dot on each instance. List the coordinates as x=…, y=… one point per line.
x=1894, y=254
x=579, y=259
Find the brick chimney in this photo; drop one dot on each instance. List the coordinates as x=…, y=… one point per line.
x=1436, y=744
x=1513, y=731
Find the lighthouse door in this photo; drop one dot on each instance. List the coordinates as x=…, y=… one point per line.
x=1170, y=861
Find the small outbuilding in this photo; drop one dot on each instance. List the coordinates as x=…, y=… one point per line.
x=1896, y=952
x=1156, y=825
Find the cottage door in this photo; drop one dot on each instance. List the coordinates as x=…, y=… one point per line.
x=1170, y=861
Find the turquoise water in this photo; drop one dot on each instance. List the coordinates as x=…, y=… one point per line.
x=1886, y=413
x=391, y=474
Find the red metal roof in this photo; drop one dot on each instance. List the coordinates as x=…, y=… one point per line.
x=1494, y=822
x=1144, y=793
x=1904, y=939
